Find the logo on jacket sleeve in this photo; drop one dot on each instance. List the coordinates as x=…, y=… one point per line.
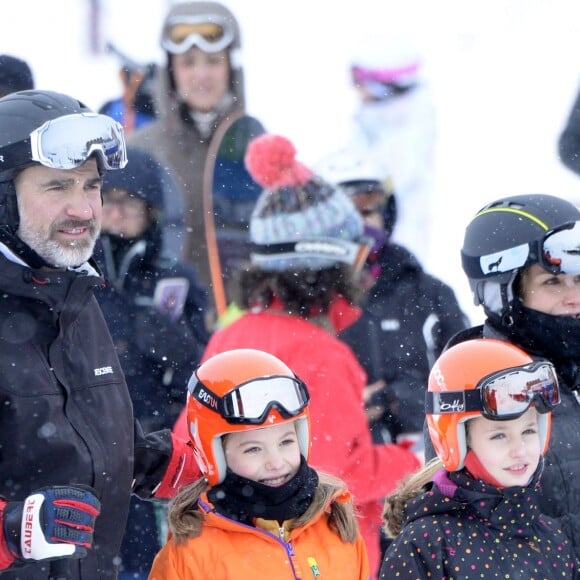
x=103, y=371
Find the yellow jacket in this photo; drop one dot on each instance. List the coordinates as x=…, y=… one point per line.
x=227, y=549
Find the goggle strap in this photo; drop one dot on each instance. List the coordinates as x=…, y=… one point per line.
x=453, y=402
x=207, y=398
x=327, y=248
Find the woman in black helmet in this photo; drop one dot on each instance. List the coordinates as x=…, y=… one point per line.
x=521, y=255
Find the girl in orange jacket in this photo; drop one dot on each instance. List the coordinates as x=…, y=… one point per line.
x=260, y=511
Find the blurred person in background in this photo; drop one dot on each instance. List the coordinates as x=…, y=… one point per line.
x=154, y=307
x=395, y=120
x=414, y=313
x=200, y=88
x=134, y=108
x=15, y=75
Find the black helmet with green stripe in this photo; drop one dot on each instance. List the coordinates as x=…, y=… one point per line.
x=511, y=233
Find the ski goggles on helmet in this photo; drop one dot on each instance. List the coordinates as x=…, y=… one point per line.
x=251, y=402
x=210, y=33
x=368, y=196
x=503, y=395
x=67, y=142
x=558, y=252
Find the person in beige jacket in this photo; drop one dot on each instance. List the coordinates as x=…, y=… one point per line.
x=200, y=89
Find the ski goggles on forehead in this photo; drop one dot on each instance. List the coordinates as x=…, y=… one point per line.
x=557, y=252
x=252, y=401
x=504, y=395
x=210, y=33
x=67, y=142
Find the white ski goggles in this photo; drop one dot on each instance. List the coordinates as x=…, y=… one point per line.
x=504, y=395
x=557, y=252
x=210, y=33
x=252, y=401
x=67, y=142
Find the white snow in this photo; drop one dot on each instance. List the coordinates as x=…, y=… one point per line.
x=504, y=74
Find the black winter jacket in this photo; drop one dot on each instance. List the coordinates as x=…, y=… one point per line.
x=65, y=412
x=414, y=314
x=158, y=354
x=463, y=528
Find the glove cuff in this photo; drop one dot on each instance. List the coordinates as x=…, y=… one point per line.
x=8, y=549
x=182, y=469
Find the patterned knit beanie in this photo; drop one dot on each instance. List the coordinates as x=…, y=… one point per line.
x=299, y=221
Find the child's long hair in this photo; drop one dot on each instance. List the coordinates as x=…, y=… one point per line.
x=408, y=488
x=186, y=521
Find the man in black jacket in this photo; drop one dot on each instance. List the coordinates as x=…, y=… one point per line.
x=70, y=452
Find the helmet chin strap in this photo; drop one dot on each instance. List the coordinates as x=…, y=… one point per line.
x=506, y=312
x=9, y=222
x=9, y=217
x=497, y=298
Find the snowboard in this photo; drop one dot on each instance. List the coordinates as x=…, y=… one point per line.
x=230, y=195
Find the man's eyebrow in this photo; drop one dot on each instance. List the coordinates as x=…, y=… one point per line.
x=67, y=181
x=95, y=180
x=58, y=181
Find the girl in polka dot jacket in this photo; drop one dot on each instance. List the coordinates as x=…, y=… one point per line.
x=472, y=512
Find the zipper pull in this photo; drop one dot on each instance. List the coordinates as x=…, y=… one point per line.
x=314, y=567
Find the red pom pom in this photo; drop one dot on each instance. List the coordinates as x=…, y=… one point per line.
x=271, y=161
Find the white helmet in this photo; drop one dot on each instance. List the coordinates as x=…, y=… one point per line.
x=349, y=165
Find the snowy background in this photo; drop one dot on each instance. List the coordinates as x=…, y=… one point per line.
x=504, y=74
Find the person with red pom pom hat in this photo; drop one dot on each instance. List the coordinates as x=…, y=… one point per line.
x=307, y=247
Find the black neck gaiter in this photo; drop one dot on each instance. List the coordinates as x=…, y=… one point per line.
x=242, y=499
x=556, y=338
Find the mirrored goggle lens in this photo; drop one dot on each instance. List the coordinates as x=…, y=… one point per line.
x=251, y=401
x=502, y=396
x=561, y=250
x=210, y=34
x=67, y=142
x=511, y=392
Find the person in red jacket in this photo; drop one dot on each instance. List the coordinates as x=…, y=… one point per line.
x=307, y=238
x=260, y=511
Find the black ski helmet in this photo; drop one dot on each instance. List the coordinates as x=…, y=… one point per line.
x=20, y=114
x=498, y=239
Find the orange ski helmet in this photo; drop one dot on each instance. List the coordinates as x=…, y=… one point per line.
x=485, y=378
x=239, y=390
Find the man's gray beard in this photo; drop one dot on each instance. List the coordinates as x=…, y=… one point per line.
x=66, y=256
x=56, y=253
